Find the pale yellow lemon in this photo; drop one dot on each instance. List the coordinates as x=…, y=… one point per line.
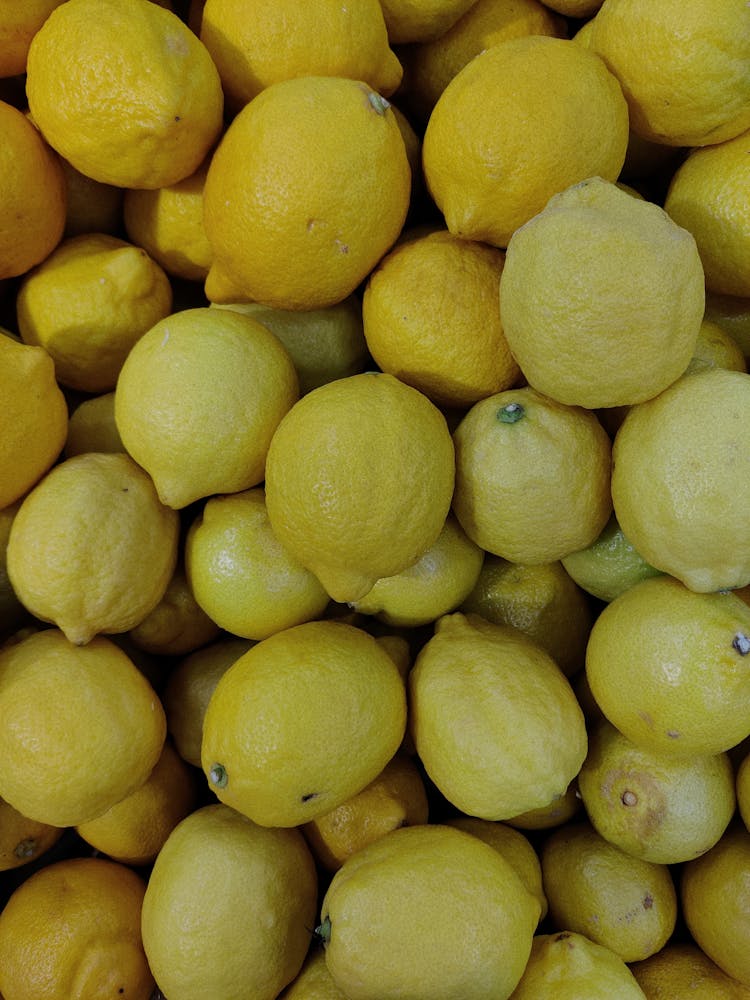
x=681, y=969
x=732, y=314
x=178, y=624
x=715, y=348
x=92, y=427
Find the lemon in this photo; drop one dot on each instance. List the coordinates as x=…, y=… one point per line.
x=541, y=601
x=390, y=913
x=90, y=206
x=314, y=981
x=88, y=303
x=301, y=722
x=431, y=317
x=256, y=44
x=141, y=103
x=280, y=232
x=609, y=565
x=569, y=966
x=715, y=896
x=526, y=737
x=743, y=790
x=682, y=68
x=681, y=968
x=241, y=575
x=91, y=548
x=23, y=840
x=520, y=122
x=72, y=932
x=421, y=20
x=655, y=807
x=558, y=811
x=228, y=908
x=92, y=427
x=177, y=625
x=667, y=667
x=532, y=476
x=34, y=419
x=601, y=334
x=198, y=400
x=715, y=348
x=19, y=25
x=324, y=344
x=359, y=481
x=732, y=313
x=689, y=524
x=84, y=727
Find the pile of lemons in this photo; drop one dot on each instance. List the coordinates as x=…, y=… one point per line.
x=374, y=499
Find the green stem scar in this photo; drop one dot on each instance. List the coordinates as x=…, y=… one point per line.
x=741, y=643
x=323, y=930
x=217, y=775
x=511, y=413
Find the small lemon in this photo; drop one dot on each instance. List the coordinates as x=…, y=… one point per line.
x=390, y=915
x=91, y=548
x=178, y=624
x=301, y=722
x=609, y=565
x=716, y=349
x=493, y=718
x=92, y=427
x=22, y=839
x=198, y=400
x=83, y=727
x=88, y=303
x=732, y=313
x=359, y=480
x=681, y=969
x=421, y=20
x=228, y=908
x=314, y=981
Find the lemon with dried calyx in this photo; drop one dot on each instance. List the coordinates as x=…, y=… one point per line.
x=389, y=919
x=84, y=727
x=301, y=722
x=359, y=480
x=667, y=666
x=199, y=398
x=228, y=908
x=681, y=968
x=92, y=549
x=22, y=839
x=691, y=527
x=92, y=427
x=501, y=680
x=656, y=807
x=532, y=476
x=599, y=334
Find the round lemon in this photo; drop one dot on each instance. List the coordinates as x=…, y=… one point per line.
x=141, y=103
x=558, y=811
x=91, y=548
x=198, y=400
x=609, y=565
x=314, y=981
x=301, y=722
x=280, y=232
x=715, y=348
x=18, y=25
x=421, y=20
x=178, y=624
x=92, y=427
x=22, y=839
x=681, y=968
x=359, y=480
x=586, y=328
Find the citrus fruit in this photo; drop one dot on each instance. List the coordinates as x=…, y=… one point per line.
x=681, y=968
x=23, y=840
x=92, y=427
x=198, y=400
x=716, y=349
x=84, y=727
x=228, y=908
x=609, y=565
x=556, y=812
x=521, y=121
x=599, y=334
x=177, y=625
x=314, y=981
x=689, y=524
x=532, y=476
x=72, y=932
x=389, y=918
x=301, y=722
x=87, y=303
x=92, y=549
x=743, y=790
x=667, y=667
x=12, y=612
x=18, y=25
x=504, y=683
x=280, y=232
x=90, y=206
x=359, y=480
x=141, y=101
x=420, y=20
x=732, y=313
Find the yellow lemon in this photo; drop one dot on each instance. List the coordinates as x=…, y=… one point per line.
x=667, y=667
x=22, y=839
x=743, y=790
x=431, y=317
x=682, y=68
x=72, y=931
x=18, y=25
x=259, y=43
x=280, y=232
x=541, y=601
x=652, y=806
x=178, y=624
x=91, y=548
x=678, y=480
x=532, y=476
x=241, y=575
x=88, y=303
x=314, y=981
x=198, y=400
x=420, y=20
x=228, y=908
x=707, y=196
x=526, y=739
x=90, y=206
x=681, y=968
x=585, y=329
x=92, y=427
x=520, y=122
x=732, y=314
x=301, y=722
x=12, y=612
x=359, y=480
x=83, y=729
x=324, y=344
x=389, y=919
x=609, y=565
x=558, y=811
x=141, y=103
x=716, y=349
x=34, y=420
